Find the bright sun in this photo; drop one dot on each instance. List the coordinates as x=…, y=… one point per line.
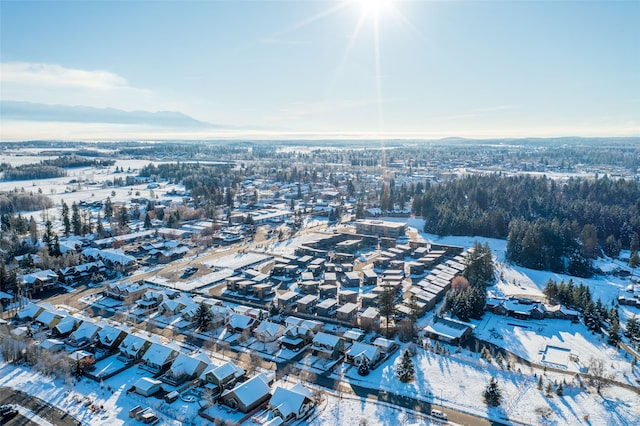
x=375, y=7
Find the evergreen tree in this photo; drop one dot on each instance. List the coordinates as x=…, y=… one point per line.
x=65, y=219
x=364, y=368
x=387, y=304
x=99, y=227
x=539, y=385
x=203, y=317
x=632, y=330
x=492, y=394
x=406, y=369
x=123, y=216
x=76, y=220
x=147, y=221
x=634, y=260
x=33, y=230
x=560, y=390
x=548, y=389
x=108, y=209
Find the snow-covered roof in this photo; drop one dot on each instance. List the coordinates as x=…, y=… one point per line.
x=113, y=255
x=240, y=321
x=67, y=324
x=269, y=328
x=447, y=328
x=359, y=349
x=146, y=384
x=108, y=334
x=324, y=339
x=87, y=330
x=289, y=401
x=251, y=390
x=228, y=369
x=189, y=364
x=132, y=344
x=158, y=354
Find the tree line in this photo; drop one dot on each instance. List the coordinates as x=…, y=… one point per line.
x=548, y=225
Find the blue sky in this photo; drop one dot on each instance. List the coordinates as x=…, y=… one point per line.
x=264, y=69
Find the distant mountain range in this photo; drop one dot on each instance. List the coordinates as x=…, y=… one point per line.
x=29, y=111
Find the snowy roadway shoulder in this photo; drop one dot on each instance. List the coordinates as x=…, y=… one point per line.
x=25, y=412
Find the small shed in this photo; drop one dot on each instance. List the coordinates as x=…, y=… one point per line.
x=146, y=386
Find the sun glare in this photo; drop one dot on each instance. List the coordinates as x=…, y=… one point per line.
x=375, y=7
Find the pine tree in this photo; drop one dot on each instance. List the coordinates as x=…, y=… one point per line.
x=549, y=389
x=406, y=369
x=492, y=394
x=65, y=219
x=108, y=209
x=76, y=220
x=147, y=221
x=387, y=304
x=364, y=368
x=560, y=390
x=634, y=260
x=203, y=317
x=539, y=386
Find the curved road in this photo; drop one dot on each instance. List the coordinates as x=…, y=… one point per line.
x=37, y=406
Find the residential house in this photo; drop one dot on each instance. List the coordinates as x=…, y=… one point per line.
x=448, y=330
x=186, y=367
x=133, y=348
x=327, y=308
x=347, y=312
x=110, y=337
x=291, y=404
x=50, y=318
x=296, y=337
x=66, y=326
x=39, y=280
x=125, y=291
x=248, y=395
x=327, y=344
x=370, y=319
x=52, y=345
x=360, y=351
x=159, y=356
x=85, y=334
x=223, y=376
x=268, y=331
x=239, y=323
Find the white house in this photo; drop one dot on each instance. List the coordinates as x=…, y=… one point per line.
x=291, y=404
x=268, y=331
x=359, y=351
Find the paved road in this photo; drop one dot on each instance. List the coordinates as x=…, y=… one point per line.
x=37, y=406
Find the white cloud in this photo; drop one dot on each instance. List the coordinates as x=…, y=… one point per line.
x=53, y=75
x=55, y=84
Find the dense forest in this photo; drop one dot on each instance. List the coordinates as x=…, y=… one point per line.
x=16, y=201
x=548, y=224
x=50, y=168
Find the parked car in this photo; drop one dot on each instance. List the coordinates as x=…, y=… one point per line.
x=8, y=412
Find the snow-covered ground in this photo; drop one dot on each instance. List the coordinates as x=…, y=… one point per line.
x=458, y=380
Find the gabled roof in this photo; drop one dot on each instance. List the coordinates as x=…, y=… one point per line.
x=289, y=401
x=228, y=369
x=324, y=339
x=189, y=365
x=159, y=354
x=251, y=390
x=67, y=324
x=240, y=321
x=108, y=334
x=86, y=330
x=268, y=328
x=132, y=344
x=359, y=349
